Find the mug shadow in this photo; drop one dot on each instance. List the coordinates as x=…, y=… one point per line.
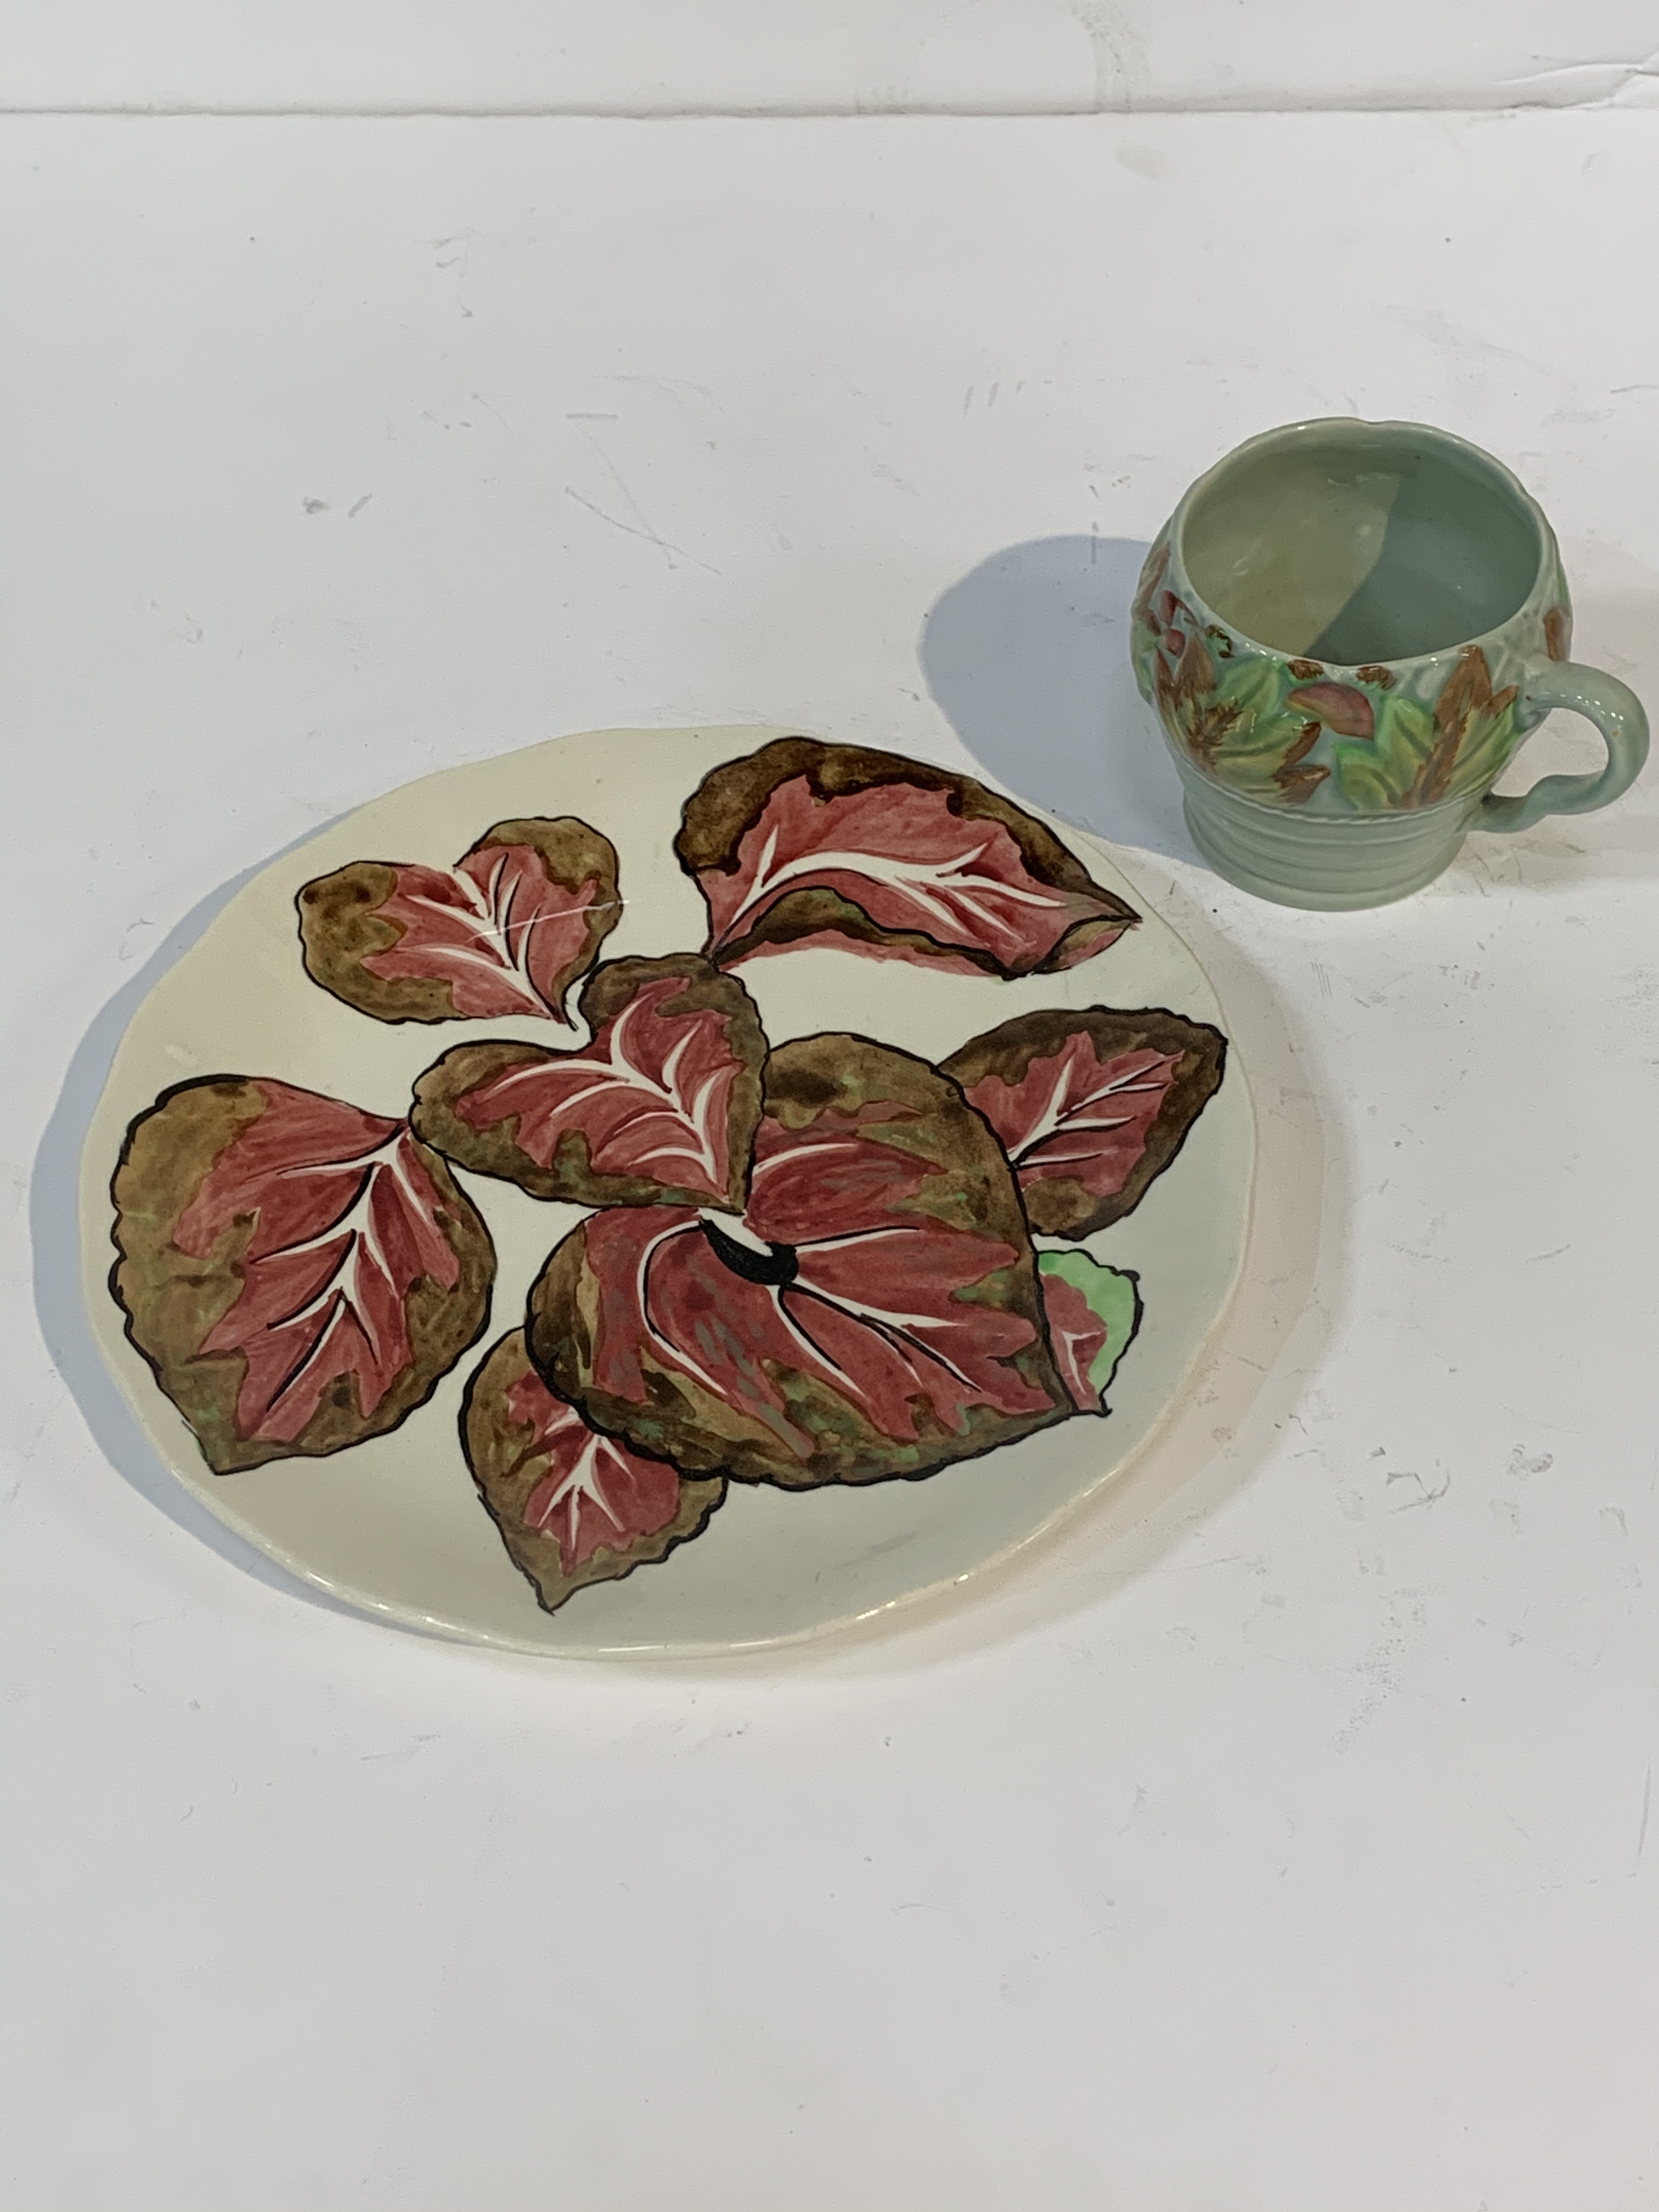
x=1028, y=657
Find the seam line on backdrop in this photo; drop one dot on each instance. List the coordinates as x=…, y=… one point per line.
x=1513, y=99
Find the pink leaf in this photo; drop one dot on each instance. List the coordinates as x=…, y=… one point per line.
x=504, y=933
x=572, y=1506
x=873, y=1313
x=1090, y=1106
x=662, y=1104
x=803, y=843
x=299, y=1272
x=596, y=1491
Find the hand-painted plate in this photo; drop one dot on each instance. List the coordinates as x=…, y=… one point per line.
x=666, y=1190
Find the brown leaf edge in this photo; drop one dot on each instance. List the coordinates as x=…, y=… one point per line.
x=340, y=923
x=731, y=799
x=170, y=1306
x=1058, y=1205
x=494, y=1151
x=505, y=1471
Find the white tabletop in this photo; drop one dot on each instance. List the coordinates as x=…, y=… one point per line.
x=1279, y=1836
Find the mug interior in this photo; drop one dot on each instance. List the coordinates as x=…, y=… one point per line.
x=1353, y=542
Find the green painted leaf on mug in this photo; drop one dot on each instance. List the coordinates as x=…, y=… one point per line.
x=1422, y=755
x=1254, y=685
x=1381, y=772
x=1262, y=740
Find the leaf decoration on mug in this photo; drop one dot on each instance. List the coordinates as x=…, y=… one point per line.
x=1383, y=773
x=1187, y=668
x=803, y=843
x=1093, y=1312
x=1146, y=591
x=1340, y=707
x=1235, y=721
x=572, y=1506
x=874, y=1313
x=503, y=933
x=298, y=1273
x=1091, y=1105
x=661, y=1107
x=1473, y=729
x=1421, y=756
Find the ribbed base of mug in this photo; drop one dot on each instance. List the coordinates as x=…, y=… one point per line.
x=1326, y=863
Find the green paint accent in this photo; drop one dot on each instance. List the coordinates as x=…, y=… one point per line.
x=1113, y=1293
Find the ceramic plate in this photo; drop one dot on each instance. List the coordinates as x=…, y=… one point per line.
x=666, y=1190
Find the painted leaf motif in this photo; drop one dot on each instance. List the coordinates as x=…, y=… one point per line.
x=1473, y=730
x=504, y=933
x=1093, y=1312
x=572, y=1506
x=804, y=843
x=1090, y=1106
x=299, y=1273
x=1382, y=772
x=875, y=1312
x=1152, y=576
x=1340, y=707
x=661, y=1106
x=1238, y=724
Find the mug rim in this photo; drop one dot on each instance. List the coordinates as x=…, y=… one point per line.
x=1288, y=433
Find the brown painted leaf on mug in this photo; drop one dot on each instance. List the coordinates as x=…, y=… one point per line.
x=1343, y=708
x=804, y=843
x=573, y=1507
x=661, y=1107
x=298, y=1273
x=875, y=1312
x=1090, y=1105
x=504, y=933
x=1466, y=711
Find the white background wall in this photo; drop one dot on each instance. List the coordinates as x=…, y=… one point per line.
x=825, y=56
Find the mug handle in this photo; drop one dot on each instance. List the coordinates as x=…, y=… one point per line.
x=1616, y=711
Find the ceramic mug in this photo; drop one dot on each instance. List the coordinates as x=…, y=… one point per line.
x=1347, y=630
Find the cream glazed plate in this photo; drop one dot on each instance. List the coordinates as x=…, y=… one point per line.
x=665, y=1191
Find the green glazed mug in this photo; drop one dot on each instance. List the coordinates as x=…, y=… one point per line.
x=1347, y=630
